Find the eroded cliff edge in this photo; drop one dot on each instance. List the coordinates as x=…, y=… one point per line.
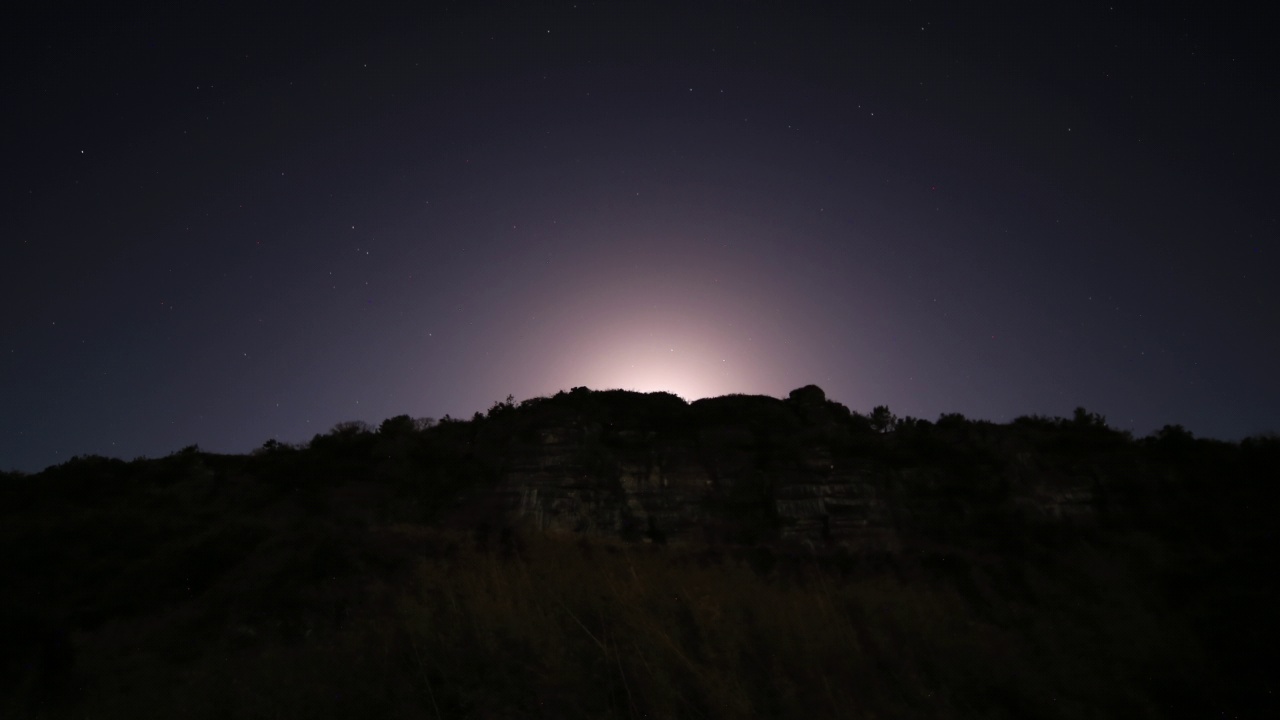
x=804, y=470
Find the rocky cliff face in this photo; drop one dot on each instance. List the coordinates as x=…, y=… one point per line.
x=746, y=469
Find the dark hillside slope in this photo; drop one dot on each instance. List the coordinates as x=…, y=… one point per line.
x=616, y=554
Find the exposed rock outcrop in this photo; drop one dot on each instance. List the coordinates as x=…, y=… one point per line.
x=753, y=468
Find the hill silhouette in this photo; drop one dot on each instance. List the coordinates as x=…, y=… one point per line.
x=622, y=554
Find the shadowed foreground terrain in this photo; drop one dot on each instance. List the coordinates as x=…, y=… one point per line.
x=618, y=555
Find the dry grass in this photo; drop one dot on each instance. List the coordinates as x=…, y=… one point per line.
x=543, y=626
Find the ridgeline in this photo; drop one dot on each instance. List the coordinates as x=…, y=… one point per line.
x=611, y=554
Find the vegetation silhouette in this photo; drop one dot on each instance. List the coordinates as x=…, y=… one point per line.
x=739, y=556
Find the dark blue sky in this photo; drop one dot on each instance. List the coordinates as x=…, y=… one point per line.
x=224, y=228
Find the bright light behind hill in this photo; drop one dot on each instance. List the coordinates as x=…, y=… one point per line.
x=677, y=362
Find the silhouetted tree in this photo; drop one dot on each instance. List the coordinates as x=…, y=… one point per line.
x=912, y=424
x=396, y=426
x=502, y=407
x=1084, y=418
x=351, y=427
x=1174, y=434
x=882, y=421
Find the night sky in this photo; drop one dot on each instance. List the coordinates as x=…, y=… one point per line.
x=224, y=228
